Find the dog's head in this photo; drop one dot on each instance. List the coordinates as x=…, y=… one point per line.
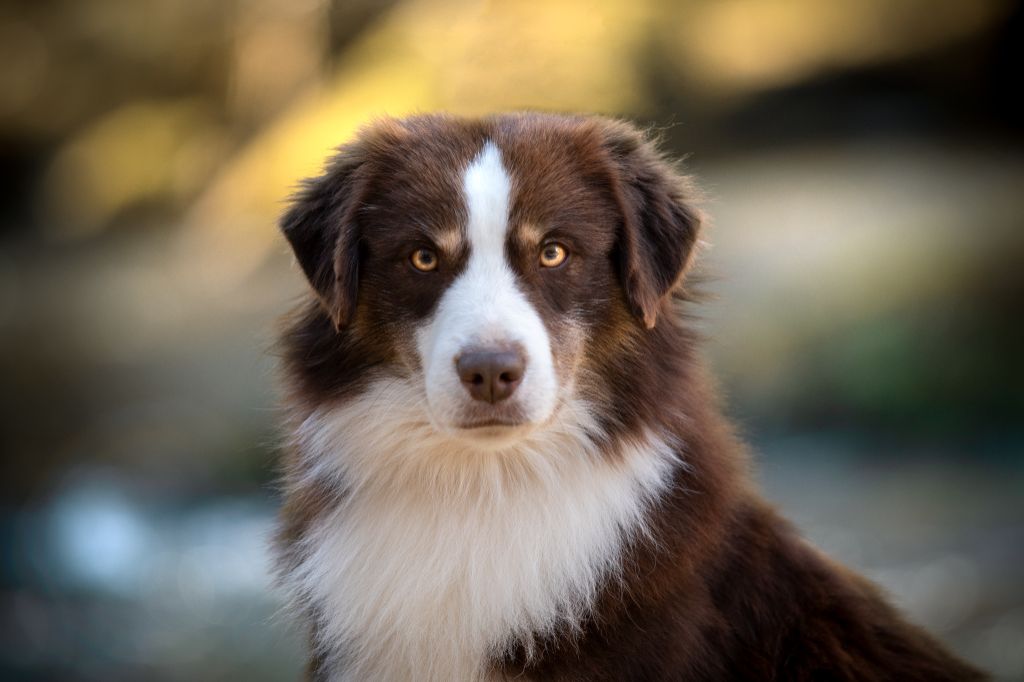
x=493, y=262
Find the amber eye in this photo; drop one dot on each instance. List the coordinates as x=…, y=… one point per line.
x=553, y=255
x=423, y=260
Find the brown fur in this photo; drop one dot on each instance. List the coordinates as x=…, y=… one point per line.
x=723, y=589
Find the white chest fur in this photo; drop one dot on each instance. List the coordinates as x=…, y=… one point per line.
x=439, y=557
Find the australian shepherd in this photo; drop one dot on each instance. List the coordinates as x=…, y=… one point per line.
x=506, y=460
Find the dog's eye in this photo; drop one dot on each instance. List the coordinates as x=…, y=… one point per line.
x=423, y=260
x=553, y=255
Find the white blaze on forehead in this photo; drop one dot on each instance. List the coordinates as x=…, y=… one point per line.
x=485, y=306
x=487, y=186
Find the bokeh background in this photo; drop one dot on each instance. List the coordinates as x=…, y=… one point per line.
x=864, y=161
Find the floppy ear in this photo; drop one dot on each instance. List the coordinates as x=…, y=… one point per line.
x=320, y=225
x=660, y=225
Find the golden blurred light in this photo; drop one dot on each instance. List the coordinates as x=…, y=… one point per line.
x=471, y=57
x=26, y=59
x=278, y=47
x=466, y=57
x=730, y=46
x=139, y=152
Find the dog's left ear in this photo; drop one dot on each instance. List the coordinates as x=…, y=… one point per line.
x=660, y=224
x=321, y=227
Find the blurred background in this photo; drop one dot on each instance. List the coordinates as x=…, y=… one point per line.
x=864, y=161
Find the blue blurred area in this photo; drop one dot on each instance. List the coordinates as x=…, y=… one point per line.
x=104, y=583
x=864, y=166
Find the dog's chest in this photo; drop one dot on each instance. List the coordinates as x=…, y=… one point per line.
x=416, y=584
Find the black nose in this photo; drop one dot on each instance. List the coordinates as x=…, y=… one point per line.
x=491, y=376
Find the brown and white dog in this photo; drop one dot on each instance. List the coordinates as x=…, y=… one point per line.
x=507, y=462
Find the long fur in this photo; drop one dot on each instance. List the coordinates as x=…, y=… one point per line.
x=439, y=559
x=599, y=524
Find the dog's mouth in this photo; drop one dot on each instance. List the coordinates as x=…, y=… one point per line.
x=504, y=425
x=496, y=424
x=492, y=434
x=493, y=431
x=503, y=418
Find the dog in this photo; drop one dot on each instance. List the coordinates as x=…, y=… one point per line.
x=506, y=460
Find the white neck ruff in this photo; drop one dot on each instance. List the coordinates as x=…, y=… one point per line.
x=440, y=557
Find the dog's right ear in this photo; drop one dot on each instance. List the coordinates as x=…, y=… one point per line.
x=660, y=219
x=321, y=227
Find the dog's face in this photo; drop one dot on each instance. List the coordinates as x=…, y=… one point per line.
x=492, y=262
